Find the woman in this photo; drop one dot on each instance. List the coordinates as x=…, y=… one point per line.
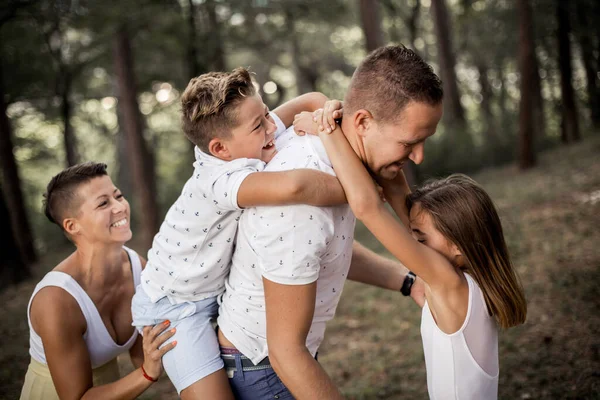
x=80, y=313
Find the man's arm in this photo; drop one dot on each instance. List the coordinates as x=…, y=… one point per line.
x=373, y=269
x=306, y=102
x=290, y=310
x=300, y=186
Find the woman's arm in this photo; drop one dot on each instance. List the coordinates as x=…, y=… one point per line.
x=299, y=186
x=57, y=318
x=362, y=196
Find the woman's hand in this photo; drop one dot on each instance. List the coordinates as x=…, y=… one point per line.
x=153, y=352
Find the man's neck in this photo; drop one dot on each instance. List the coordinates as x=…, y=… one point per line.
x=354, y=140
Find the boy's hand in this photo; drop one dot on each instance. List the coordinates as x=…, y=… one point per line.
x=305, y=124
x=325, y=118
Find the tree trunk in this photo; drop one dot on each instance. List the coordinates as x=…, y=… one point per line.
x=140, y=159
x=413, y=23
x=526, y=154
x=12, y=267
x=13, y=195
x=306, y=78
x=72, y=157
x=371, y=24
x=218, y=55
x=539, y=120
x=192, y=51
x=492, y=141
x=454, y=113
x=584, y=33
x=570, y=124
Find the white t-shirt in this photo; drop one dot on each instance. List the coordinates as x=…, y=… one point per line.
x=291, y=245
x=191, y=254
x=462, y=365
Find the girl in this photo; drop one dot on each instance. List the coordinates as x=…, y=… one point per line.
x=459, y=253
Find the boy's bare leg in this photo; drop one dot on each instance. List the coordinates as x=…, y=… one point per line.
x=214, y=386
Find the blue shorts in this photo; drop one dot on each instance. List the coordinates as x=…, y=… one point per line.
x=197, y=353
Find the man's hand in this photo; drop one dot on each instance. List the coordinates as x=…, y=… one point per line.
x=417, y=292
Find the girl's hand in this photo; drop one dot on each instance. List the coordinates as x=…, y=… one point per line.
x=325, y=118
x=305, y=124
x=153, y=339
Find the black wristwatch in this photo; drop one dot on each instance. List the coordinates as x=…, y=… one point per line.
x=409, y=280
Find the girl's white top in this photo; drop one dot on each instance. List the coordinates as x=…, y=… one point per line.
x=101, y=346
x=462, y=365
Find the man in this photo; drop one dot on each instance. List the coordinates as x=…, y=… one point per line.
x=291, y=262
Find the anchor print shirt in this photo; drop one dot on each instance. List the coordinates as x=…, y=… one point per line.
x=191, y=254
x=290, y=245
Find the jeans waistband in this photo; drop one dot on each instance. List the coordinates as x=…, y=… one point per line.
x=234, y=359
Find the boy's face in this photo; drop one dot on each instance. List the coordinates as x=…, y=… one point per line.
x=387, y=146
x=254, y=137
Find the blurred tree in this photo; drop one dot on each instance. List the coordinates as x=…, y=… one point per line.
x=192, y=51
x=454, y=114
x=12, y=266
x=587, y=11
x=569, y=124
x=11, y=183
x=526, y=154
x=140, y=159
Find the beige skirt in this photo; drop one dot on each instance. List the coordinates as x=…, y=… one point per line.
x=39, y=386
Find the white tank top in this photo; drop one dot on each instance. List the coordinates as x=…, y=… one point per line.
x=101, y=347
x=462, y=365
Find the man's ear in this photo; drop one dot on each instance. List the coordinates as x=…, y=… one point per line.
x=71, y=226
x=218, y=148
x=363, y=121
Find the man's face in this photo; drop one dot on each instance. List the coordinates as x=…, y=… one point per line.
x=254, y=135
x=387, y=146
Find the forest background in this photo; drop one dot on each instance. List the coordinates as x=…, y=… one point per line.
x=101, y=80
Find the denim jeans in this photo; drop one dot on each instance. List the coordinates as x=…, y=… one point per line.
x=259, y=384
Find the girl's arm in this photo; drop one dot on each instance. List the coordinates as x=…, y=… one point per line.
x=61, y=327
x=395, y=192
x=362, y=196
x=299, y=186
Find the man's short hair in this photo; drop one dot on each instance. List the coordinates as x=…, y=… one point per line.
x=388, y=79
x=209, y=105
x=61, y=200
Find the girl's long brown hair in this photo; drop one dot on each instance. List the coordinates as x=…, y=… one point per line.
x=465, y=214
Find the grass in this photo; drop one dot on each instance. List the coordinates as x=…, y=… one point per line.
x=372, y=349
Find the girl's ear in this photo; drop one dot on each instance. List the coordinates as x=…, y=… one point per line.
x=218, y=148
x=457, y=256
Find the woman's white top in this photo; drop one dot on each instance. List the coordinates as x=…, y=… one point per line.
x=462, y=365
x=101, y=346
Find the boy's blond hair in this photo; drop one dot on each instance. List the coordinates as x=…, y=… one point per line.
x=209, y=105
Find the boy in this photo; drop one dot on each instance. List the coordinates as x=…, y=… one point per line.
x=234, y=134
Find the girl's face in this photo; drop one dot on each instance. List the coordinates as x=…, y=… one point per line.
x=423, y=230
x=103, y=215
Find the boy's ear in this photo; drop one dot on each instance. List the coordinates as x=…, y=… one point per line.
x=362, y=120
x=218, y=148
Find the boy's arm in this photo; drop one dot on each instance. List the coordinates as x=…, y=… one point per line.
x=306, y=102
x=299, y=186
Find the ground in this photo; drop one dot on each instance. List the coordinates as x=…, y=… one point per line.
x=551, y=217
